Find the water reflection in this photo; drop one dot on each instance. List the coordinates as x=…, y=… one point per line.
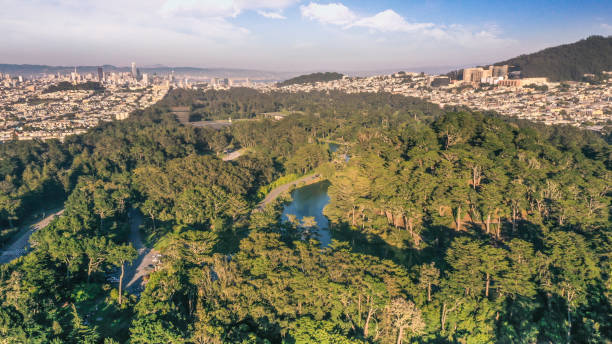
x=310, y=200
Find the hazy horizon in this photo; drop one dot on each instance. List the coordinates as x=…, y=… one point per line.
x=426, y=69
x=290, y=35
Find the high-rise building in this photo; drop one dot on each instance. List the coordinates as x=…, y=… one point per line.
x=500, y=71
x=134, y=69
x=472, y=74
x=145, y=79
x=100, y=74
x=480, y=74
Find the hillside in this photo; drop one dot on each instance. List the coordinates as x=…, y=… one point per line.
x=568, y=61
x=311, y=78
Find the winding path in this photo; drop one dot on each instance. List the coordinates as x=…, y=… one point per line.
x=21, y=245
x=279, y=190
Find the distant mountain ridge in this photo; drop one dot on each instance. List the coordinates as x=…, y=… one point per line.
x=312, y=78
x=567, y=62
x=29, y=69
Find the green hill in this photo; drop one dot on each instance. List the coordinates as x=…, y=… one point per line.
x=312, y=78
x=567, y=62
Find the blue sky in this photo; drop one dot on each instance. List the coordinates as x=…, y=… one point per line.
x=291, y=35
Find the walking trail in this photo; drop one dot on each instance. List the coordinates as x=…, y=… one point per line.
x=144, y=263
x=272, y=195
x=21, y=245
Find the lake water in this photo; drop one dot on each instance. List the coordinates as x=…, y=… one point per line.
x=310, y=200
x=333, y=147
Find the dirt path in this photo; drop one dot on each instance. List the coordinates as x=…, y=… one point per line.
x=285, y=187
x=143, y=264
x=21, y=245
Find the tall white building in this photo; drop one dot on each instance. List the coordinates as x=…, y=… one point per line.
x=134, y=69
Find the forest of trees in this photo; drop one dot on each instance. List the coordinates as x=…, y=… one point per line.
x=249, y=103
x=312, y=78
x=567, y=62
x=448, y=226
x=68, y=86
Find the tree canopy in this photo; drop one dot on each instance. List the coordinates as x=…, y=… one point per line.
x=447, y=226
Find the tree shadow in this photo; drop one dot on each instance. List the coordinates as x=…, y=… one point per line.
x=371, y=244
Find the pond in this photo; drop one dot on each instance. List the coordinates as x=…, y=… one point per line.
x=310, y=200
x=333, y=147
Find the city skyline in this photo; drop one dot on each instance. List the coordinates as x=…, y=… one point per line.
x=291, y=35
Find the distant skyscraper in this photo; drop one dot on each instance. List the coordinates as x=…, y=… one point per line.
x=500, y=71
x=100, y=74
x=134, y=69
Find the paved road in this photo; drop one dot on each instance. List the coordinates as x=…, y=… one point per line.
x=234, y=155
x=285, y=187
x=143, y=265
x=21, y=245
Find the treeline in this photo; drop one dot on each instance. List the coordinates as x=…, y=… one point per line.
x=68, y=86
x=249, y=103
x=567, y=62
x=312, y=78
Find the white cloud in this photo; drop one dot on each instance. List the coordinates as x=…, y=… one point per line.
x=390, y=21
x=225, y=8
x=271, y=14
x=334, y=13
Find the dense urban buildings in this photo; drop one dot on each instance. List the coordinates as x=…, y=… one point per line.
x=55, y=106
x=575, y=103
x=36, y=108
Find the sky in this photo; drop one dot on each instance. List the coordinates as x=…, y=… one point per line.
x=292, y=35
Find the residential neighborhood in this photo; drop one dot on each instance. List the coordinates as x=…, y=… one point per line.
x=574, y=103
x=29, y=109
x=38, y=108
